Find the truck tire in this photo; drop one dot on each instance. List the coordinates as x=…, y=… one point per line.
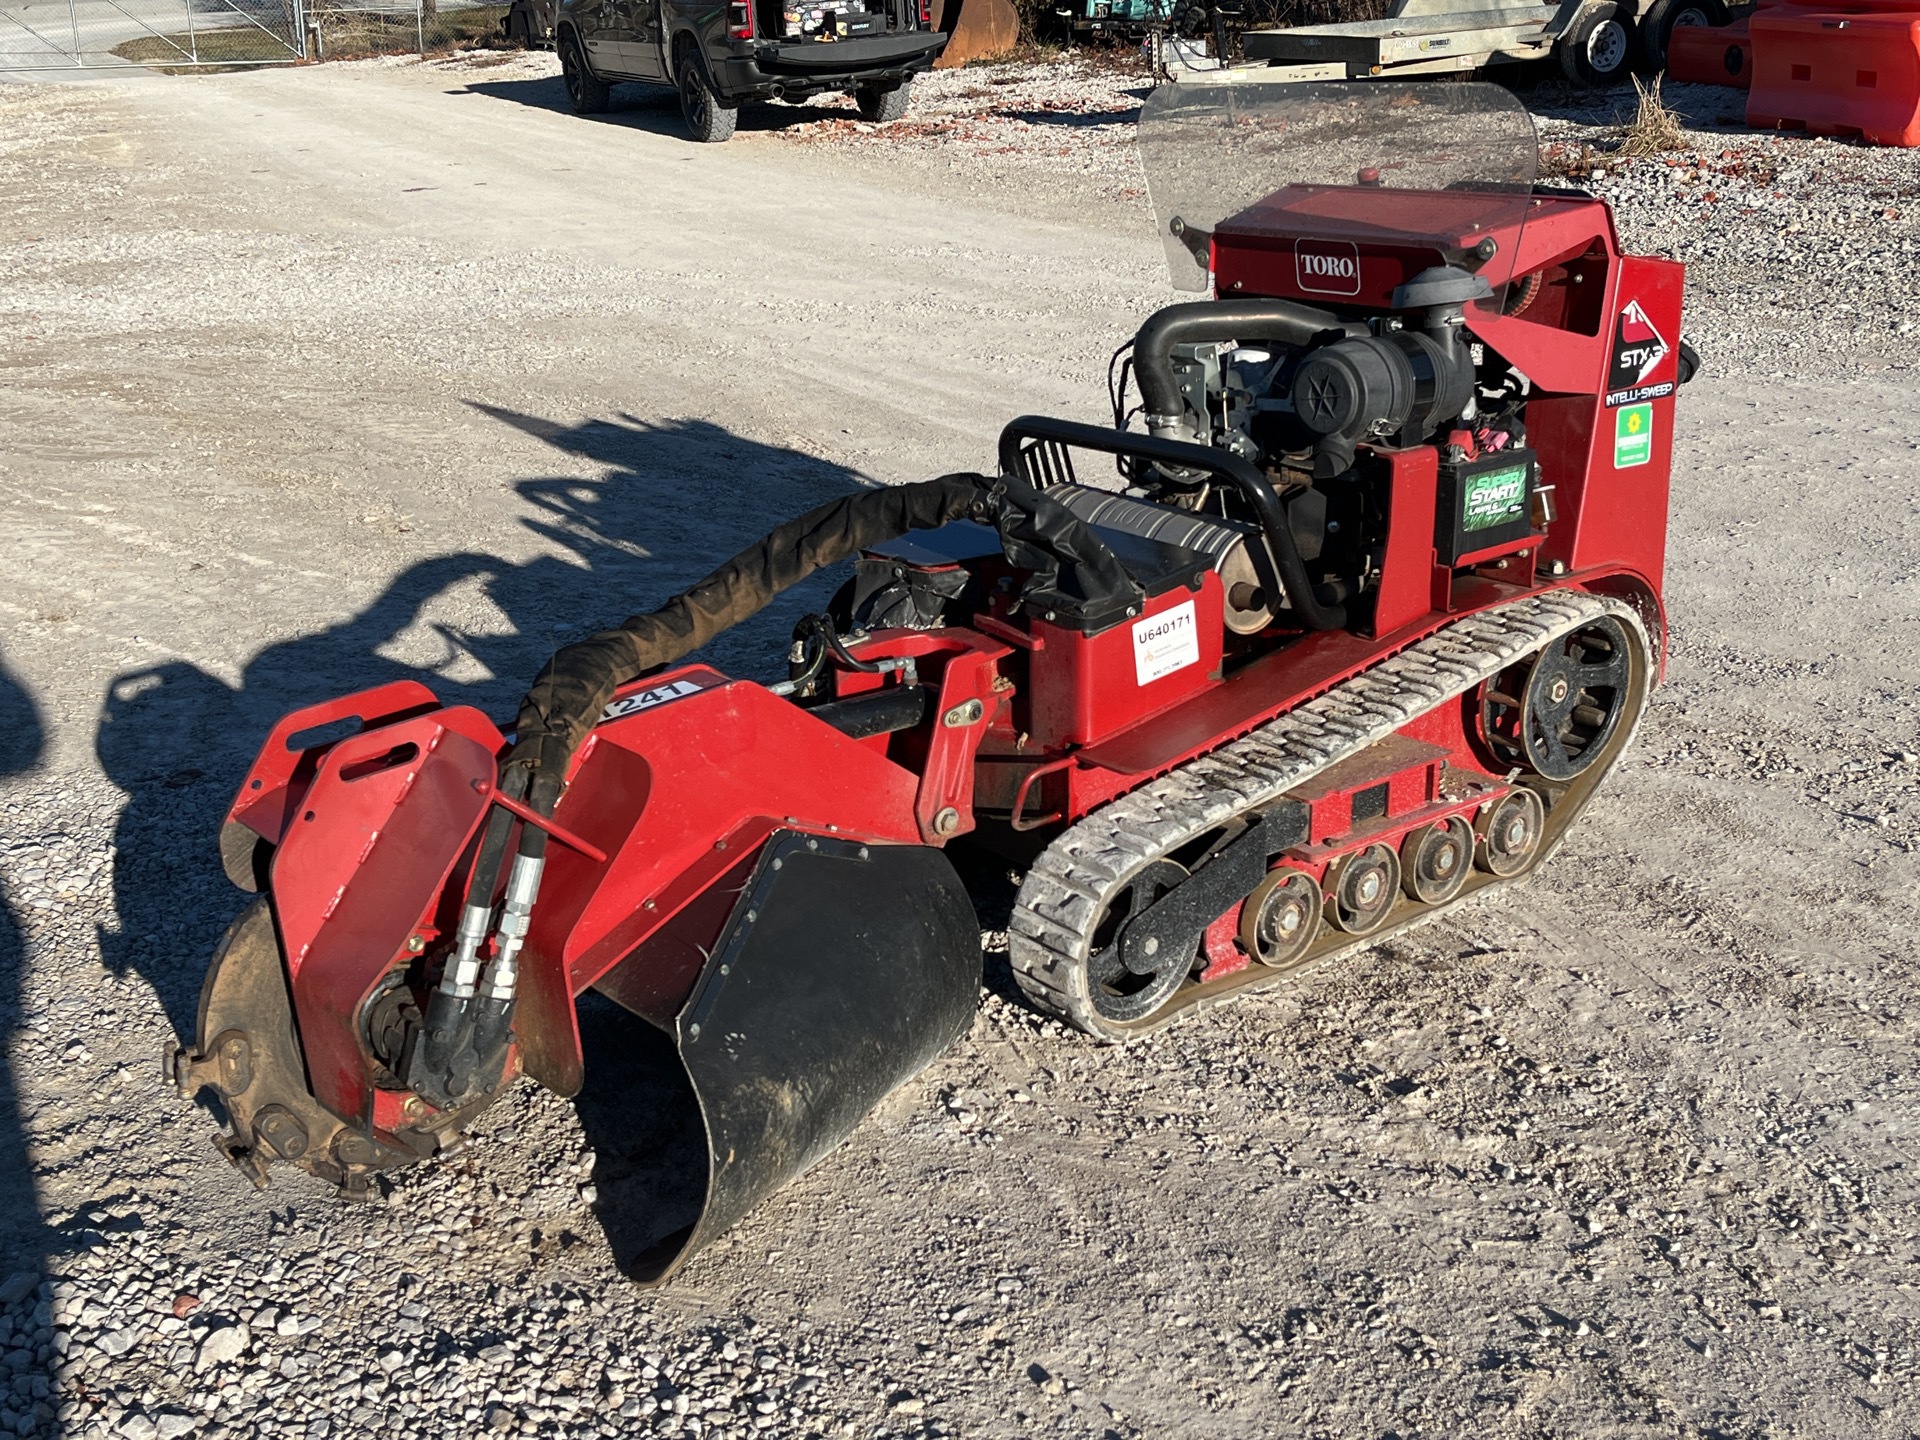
x=587, y=92
x=1598, y=50
x=883, y=107
x=708, y=121
x=1660, y=19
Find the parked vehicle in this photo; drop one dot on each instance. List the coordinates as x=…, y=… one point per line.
x=719, y=56
x=530, y=22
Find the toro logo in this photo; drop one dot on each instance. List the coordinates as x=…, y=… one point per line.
x=1327, y=267
x=1638, y=348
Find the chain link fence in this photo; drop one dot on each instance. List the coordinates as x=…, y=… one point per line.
x=395, y=27
x=94, y=34
x=201, y=34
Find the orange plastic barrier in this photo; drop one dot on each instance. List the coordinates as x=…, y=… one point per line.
x=1846, y=8
x=1711, y=55
x=1838, y=74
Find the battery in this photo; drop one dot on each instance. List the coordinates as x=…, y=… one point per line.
x=1484, y=503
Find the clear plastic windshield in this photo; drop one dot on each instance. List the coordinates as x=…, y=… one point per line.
x=1446, y=166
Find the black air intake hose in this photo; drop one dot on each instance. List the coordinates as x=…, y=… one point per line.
x=1286, y=321
x=573, y=689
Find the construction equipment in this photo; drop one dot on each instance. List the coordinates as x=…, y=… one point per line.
x=1351, y=632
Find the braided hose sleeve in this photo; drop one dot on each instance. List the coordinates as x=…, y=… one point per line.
x=573, y=689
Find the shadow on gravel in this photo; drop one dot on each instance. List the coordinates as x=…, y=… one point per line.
x=1072, y=119
x=675, y=499
x=651, y=1166
x=26, y=1334
x=656, y=109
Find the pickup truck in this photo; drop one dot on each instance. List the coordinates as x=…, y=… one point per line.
x=720, y=54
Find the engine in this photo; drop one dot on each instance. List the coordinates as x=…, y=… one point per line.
x=1297, y=392
x=1290, y=405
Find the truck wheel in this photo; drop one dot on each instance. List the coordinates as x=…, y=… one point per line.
x=708, y=121
x=1598, y=50
x=883, y=107
x=1660, y=19
x=589, y=94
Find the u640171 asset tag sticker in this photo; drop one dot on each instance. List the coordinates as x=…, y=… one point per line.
x=1632, y=436
x=1165, y=643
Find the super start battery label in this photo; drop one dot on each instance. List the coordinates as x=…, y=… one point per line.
x=1632, y=436
x=1495, y=497
x=1165, y=643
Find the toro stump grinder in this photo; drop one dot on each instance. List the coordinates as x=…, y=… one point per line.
x=1350, y=631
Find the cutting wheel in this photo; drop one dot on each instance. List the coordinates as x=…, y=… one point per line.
x=248, y=1055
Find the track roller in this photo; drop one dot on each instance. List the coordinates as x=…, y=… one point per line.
x=1281, y=919
x=1361, y=889
x=1511, y=833
x=1436, y=860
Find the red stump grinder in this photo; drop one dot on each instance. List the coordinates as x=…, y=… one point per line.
x=1350, y=631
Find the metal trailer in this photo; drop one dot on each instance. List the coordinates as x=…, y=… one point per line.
x=1597, y=42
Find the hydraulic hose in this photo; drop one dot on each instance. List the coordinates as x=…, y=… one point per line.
x=1286, y=321
x=574, y=688
x=438, y=1061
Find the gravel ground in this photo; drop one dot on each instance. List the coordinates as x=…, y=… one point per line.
x=324, y=377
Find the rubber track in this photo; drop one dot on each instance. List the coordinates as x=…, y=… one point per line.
x=1073, y=879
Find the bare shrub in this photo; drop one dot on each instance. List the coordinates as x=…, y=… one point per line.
x=1654, y=130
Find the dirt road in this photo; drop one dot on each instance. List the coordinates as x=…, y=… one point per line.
x=322, y=377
